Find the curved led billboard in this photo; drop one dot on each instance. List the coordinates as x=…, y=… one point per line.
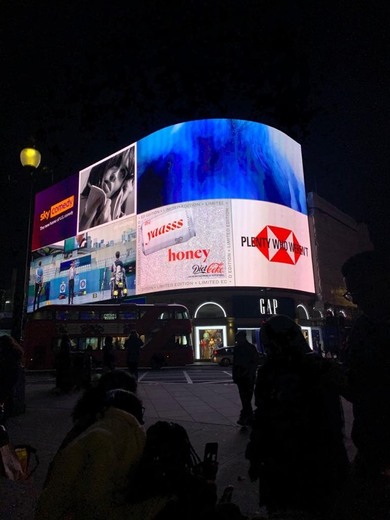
x=217, y=202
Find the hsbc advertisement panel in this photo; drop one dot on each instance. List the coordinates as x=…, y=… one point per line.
x=209, y=203
x=271, y=246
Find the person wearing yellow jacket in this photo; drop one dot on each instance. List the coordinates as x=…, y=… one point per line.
x=90, y=476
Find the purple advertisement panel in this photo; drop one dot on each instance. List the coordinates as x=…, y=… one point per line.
x=55, y=213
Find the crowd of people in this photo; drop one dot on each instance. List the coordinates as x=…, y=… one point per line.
x=109, y=466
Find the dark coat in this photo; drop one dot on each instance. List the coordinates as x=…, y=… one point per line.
x=245, y=361
x=368, y=374
x=296, y=448
x=133, y=346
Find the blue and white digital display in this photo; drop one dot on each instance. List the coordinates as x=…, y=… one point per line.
x=219, y=159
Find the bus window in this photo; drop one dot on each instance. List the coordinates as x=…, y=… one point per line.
x=89, y=315
x=62, y=315
x=181, y=340
x=109, y=316
x=119, y=343
x=89, y=344
x=127, y=315
x=43, y=314
x=181, y=314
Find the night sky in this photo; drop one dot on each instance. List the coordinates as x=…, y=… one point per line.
x=83, y=80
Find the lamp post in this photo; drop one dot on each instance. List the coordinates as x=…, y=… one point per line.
x=30, y=159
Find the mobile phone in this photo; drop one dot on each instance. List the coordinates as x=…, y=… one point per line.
x=210, y=452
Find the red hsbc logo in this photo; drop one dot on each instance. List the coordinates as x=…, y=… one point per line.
x=277, y=245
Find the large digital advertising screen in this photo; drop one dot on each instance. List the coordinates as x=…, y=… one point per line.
x=210, y=203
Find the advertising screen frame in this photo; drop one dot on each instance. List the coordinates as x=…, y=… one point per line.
x=208, y=203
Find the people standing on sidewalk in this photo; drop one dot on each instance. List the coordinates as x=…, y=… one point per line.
x=296, y=448
x=63, y=366
x=245, y=361
x=108, y=354
x=367, y=365
x=133, y=346
x=11, y=358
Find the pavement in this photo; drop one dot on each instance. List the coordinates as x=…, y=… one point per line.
x=208, y=411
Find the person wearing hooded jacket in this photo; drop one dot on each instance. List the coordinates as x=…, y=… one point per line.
x=296, y=448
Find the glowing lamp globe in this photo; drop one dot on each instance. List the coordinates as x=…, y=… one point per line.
x=30, y=157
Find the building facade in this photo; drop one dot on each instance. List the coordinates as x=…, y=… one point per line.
x=212, y=214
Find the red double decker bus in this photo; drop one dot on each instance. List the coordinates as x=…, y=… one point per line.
x=164, y=328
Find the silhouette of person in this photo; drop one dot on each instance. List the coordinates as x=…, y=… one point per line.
x=367, y=365
x=296, y=447
x=133, y=346
x=11, y=357
x=38, y=285
x=245, y=361
x=108, y=353
x=90, y=474
x=63, y=366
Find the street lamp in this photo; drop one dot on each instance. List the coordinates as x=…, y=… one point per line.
x=30, y=159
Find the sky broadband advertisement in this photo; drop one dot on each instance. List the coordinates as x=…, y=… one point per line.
x=210, y=203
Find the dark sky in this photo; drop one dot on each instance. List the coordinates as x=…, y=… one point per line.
x=83, y=80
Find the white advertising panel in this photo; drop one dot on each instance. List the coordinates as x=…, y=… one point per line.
x=271, y=246
x=184, y=246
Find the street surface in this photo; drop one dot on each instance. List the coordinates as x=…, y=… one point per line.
x=202, y=398
x=191, y=374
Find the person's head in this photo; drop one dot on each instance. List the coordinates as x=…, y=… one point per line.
x=117, y=379
x=65, y=342
x=108, y=341
x=240, y=337
x=93, y=399
x=367, y=279
x=114, y=175
x=126, y=401
x=117, y=254
x=133, y=333
x=282, y=338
